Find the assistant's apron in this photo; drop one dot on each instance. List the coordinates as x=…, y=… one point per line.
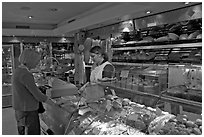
x=94, y=91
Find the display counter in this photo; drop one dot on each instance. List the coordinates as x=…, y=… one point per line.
x=171, y=104
x=112, y=115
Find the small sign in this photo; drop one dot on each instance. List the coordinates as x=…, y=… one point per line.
x=109, y=105
x=158, y=111
x=151, y=24
x=124, y=73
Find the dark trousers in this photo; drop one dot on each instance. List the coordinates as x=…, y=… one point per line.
x=28, y=122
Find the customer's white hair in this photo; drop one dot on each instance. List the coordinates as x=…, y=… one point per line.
x=29, y=57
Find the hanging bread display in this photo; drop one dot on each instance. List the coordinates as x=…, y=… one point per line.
x=87, y=47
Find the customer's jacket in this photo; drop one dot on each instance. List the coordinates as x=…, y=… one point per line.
x=26, y=95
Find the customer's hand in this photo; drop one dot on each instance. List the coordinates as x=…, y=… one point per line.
x=48, y=92
x=81, y=90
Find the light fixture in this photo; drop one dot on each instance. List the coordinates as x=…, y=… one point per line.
x=53, y=9
x=30, y=17
x=25, y=8
x=126, y=29
x=186, y=3
x=148, y=12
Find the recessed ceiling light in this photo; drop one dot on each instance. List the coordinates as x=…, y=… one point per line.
x=148, y=12
x=25, y=8
x=30, y=17
x=53, y=9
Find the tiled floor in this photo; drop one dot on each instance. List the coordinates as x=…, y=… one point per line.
x=8, y=122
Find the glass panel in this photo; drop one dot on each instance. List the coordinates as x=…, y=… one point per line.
x=7, y=70
x=7, y=64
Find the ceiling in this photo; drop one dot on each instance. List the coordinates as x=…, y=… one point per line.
x=66, y=18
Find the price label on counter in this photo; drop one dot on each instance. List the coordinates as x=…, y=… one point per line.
x=124, y=73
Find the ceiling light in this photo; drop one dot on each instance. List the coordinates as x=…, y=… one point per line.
x=30, y=17
x=148, y=12
x=53, y=9
x=126, y=29
x=25, y=8
x=186, y=3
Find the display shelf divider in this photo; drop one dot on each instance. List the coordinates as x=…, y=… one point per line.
x=185, y=45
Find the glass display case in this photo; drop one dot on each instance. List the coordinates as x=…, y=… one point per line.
x=7, y=70
x=151, y=80
x=168, y=50
x=185, y=84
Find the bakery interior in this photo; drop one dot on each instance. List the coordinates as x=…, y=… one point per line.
x=155, y=47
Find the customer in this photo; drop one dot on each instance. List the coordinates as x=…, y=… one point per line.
x=102, y=70
x=26, y=95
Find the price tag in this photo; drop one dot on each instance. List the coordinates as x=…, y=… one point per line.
x=109, y=105
x=113, y=92
x=124, y=73
x=151, y=24
x=158, y=111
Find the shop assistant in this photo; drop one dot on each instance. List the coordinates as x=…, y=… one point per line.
x=102, y=70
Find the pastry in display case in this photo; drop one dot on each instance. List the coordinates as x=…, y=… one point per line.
x=185, y=83
x=113, y=115
x=140, y=79
x=144, y=77
x=165, y=45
